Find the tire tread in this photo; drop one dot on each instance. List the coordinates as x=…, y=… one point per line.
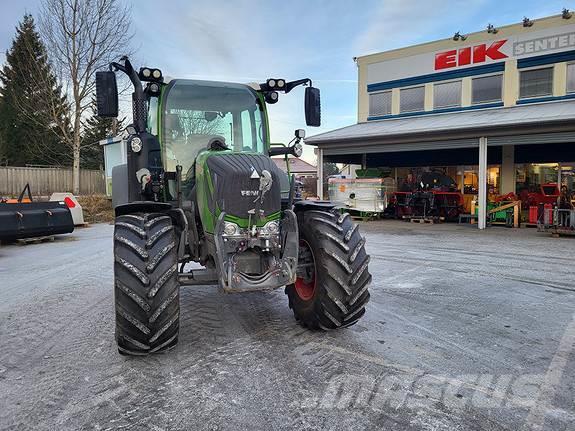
x=146, y=285
x=342, y=274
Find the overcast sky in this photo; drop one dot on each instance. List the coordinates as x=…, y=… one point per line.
x=251, y=40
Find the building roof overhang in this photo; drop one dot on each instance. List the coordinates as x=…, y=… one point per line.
x=549, y=117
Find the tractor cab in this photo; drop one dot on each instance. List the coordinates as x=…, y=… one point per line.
x=191, y=114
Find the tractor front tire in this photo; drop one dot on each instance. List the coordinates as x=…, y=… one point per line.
x=146, y=290
x=331, y=289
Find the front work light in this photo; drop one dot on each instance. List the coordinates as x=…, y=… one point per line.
x=150, y=74
x=275, y=84
x=297, y=149
x=272, y=96
x=136, y=144
x=153, y=89
x=231, y=229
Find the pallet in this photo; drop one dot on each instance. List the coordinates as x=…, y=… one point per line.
x=556, y=233
x=363, y=216
x=531, y=225
x=422, y=220
x=35, y=240
x=467, y=218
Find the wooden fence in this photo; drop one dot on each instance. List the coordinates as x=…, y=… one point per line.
x=45, y=181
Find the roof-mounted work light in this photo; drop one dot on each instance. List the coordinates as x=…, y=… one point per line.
x=150, y=74
x=274, y=84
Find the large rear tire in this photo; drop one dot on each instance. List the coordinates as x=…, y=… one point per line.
x=146, y=290
x=331, y=290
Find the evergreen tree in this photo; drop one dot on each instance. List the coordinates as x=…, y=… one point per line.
x=29, y=95
x=95, y=129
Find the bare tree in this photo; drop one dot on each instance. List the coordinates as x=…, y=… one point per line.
x=82, y=36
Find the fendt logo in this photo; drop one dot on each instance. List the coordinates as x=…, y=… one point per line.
x=469, y=55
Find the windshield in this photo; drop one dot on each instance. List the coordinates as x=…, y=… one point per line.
x=195, y=112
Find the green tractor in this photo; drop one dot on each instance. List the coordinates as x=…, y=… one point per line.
x=199, y=186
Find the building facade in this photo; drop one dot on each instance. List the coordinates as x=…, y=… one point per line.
x=443, y=104
x=516, y=65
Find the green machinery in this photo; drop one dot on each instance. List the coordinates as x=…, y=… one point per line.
x=199, y=186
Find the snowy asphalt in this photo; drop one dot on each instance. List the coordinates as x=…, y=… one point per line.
x=465, y=330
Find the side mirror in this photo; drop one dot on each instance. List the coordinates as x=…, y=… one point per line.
x=312, y=107
x=106, y=94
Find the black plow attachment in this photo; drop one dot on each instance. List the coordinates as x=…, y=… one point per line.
x=24, y=218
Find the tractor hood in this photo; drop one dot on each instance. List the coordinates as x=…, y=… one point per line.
x=242, y=183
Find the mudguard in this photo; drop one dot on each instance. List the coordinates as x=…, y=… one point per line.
x=304, y=205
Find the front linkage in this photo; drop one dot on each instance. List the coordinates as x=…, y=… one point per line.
x=280, y=258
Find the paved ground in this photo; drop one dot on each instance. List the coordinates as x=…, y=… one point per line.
x=465, y=330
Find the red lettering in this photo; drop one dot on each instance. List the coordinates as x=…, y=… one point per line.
x=469, y=55
x=464, y=56
x=445, y=60
x=481, y=52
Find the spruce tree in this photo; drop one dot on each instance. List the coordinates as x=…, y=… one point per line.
x=29, y=94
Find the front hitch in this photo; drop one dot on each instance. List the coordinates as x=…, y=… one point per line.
x=284, y=253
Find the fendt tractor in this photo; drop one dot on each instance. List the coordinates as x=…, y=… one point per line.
x=199, y=186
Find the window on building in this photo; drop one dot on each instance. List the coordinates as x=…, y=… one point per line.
x=571, y=78
x=412, y=99
x=380, y=103
x=447, y=94
x=536, y=82
x=486, y=89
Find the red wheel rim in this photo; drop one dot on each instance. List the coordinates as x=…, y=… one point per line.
x=306, y=276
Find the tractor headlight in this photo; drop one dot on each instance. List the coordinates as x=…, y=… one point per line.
x=269, y=229
x=136, y=144
x=231, y=229
x=273, y=227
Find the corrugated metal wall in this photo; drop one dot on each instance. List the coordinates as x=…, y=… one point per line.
x=44, y=181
